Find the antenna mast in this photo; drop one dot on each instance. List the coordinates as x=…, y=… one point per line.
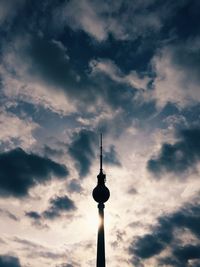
x=101, y=157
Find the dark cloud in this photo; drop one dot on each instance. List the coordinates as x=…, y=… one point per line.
x=182, y=256
x=52, y=64
x=111, y=157
x=74, y=186
x=33, y=215
x=52, y=152
x=20, y=171
x=147, y=247
x=163, y=236
x=180, y=156
x=81, y=150
x=49, y=64
x=9, y=261
x=169, y=262
x=59, y=205
x=187, y=252
x=37, y=219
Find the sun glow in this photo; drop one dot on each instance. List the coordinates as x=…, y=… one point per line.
x=94, y=221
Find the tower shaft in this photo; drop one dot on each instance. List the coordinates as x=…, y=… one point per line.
x=100, y=238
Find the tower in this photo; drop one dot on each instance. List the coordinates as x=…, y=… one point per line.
x=101, y=194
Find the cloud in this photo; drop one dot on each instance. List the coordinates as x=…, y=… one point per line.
x=187, y=253
x=86, y=18
x=46, y=66
x=101, y=20
x=37, y=220
x=111, y=157
x=74, y=186
x=54, y=69
x=2, y=241
x=132, y=191
x=33, y=215
x=164, y=237
x=106, y=66
x=59, y=205
x=177, y=74
x=52, y=152
x=95, y=66
x=47, y=71
x=144, y=250
x=69, y=264
x=180, y=156
x=9, y=9
x=119, y=239
x=35, y=250
x=9, y=261
x=20, y=171
x=16, y=131
x=81, y=150
x=182, y=256
x=9, y=214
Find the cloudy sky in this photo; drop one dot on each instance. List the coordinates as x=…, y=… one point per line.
x=70, y=70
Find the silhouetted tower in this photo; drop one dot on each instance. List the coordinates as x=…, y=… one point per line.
x=101, y=194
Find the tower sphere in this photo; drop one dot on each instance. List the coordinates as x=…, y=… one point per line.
x=101, y=193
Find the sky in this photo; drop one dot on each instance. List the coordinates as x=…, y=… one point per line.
x=70, y=70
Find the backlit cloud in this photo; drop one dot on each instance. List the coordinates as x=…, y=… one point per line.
x=20, y=171
x=180, y=156
x=165, y=237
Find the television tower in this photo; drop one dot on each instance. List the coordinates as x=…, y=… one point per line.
x=101, y=194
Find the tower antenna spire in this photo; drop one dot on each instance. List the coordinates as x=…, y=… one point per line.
x=101, y=194
x=101, y=156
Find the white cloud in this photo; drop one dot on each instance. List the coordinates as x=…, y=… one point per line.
x=110, y=69
x=174, y=82
x=38, y=94
x=19, y=82
x=99, y=19
x=14, y=128
x=82, y=15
